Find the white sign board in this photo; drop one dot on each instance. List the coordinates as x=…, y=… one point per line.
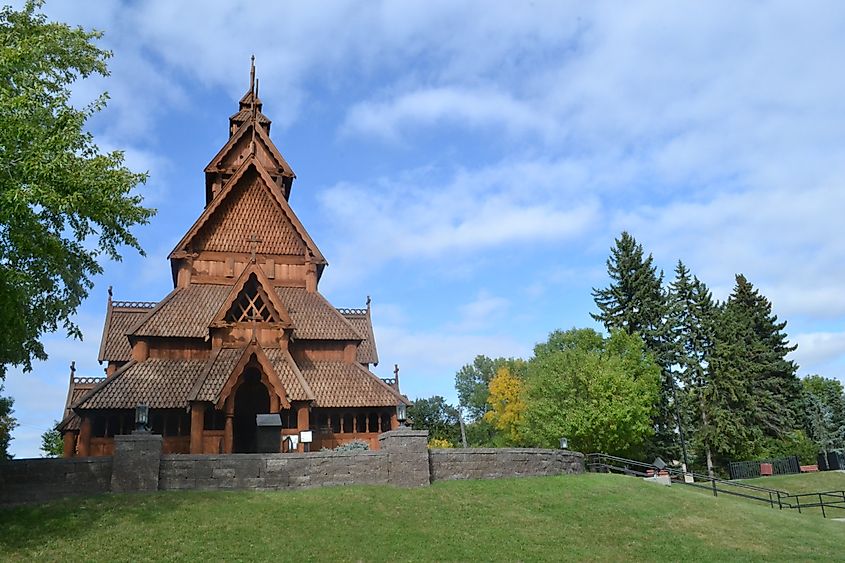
x=306, y=437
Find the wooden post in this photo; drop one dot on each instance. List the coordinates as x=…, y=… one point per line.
x=302, y=423
x=69, y=444
x=228, y=437
x=197, y=427
x=85, y=436
x=394, y=422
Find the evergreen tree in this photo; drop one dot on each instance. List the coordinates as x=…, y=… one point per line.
x=690, y=326
x=776, y=387
x=7, y=424
x=635, y=303
x=824, y=411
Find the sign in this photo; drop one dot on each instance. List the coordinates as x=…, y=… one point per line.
x=306, y=436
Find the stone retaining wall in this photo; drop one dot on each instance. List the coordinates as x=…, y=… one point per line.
x=272, y=471
x=490, y=463
x=403, y=460
x=38, y=480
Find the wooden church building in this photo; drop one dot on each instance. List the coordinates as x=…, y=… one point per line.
x=245, y=330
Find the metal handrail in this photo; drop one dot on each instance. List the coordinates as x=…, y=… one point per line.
x=773, y=497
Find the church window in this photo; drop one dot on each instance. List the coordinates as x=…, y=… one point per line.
x=251, y=304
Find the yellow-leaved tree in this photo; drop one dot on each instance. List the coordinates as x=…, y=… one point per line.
x=506, y=405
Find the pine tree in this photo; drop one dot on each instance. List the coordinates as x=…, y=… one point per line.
x=690, y=326
x=636, y=304
x=776, y=387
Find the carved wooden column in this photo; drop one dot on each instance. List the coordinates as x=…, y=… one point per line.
x=85, y=436
x=228, y=436
x=394, y=422
x=302, y=423
x=197, y=427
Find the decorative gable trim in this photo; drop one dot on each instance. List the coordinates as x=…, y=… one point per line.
x=268, y=376
x=277, y=195
x=279, y=313
x=260, y=134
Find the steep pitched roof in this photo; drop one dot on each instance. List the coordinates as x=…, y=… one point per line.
x=159, y=383
x=314, y=318
x=186, y=312
x=361, y=321
x=235, y=145
x=120, y=317
x=250, y=203
x=78, y=387
x=338, y=384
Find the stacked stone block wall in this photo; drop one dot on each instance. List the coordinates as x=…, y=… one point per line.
x=272, y=471
x=403, y=460
x=491, y=463
x=38, y=480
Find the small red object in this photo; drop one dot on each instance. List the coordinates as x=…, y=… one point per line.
x=766, y=469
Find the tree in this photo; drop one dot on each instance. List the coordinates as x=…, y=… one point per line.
x=7, y=424
x=824, y=411
x=690, y=323
x=599, y=393
x=473, y=380
x=635, y=303
x=438, y=417
x=63, y=203
x=506, y=405
x=51, y=441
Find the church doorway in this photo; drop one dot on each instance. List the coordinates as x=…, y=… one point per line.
x=251, y=399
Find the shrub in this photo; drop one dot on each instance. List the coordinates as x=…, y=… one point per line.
x=440, y=443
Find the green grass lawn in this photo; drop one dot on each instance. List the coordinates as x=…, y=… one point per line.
x=600, y=517
x=802, y=483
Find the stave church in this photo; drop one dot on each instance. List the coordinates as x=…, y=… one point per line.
x=244, y=332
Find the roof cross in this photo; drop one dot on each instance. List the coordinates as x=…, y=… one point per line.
x=253, y=241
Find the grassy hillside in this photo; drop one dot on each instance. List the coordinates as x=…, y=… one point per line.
x=802, y=483
x=591, y=516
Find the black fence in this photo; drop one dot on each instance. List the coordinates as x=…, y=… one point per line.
x=751, y=469
x=835, y=500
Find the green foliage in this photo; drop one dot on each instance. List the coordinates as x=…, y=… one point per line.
x=824, y=411
x=350, y=446
x=51, y=442
x=600, y=393
x=438, y=417
x=635, y=303
x=792, y=443
x=7, y=424
x=63, y=203
x=473, y=379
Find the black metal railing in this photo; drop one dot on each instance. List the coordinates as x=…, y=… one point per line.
x=603, y=463
x=751, y=469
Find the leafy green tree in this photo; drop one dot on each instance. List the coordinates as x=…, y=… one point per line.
x=473, y=380
x=63, y=203
x=51, y=442
x=438, y=417
x=599, y=393
x=635, y=303
x=7, y=424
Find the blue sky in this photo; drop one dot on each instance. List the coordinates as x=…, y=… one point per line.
x=468, y=164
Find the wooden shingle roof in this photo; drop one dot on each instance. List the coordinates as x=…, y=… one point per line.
x=314, y=318
x=240, y=221
x=120, y=318
x=338, y=384
x=186, y=312
x=159, y=383
x=362, y=322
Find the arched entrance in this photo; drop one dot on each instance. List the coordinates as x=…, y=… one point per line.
x=251, y=398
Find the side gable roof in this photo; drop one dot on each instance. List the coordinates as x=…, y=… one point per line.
x=313, y=316
x=121, y=316
x=260, y=135
x=279, y=202
x=186, y=312
x=361, y=320
x=338, y=384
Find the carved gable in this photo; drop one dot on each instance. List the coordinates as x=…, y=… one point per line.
x=250, y=212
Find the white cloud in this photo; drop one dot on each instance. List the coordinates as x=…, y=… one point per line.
x=818, y=351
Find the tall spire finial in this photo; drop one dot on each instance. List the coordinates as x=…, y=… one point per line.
x=252, y=74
